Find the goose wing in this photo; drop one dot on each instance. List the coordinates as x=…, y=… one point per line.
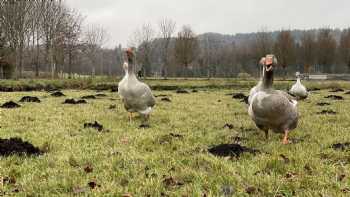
x=144, y=93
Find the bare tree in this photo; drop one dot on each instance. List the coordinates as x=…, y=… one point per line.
x=167, y=29
x=285, y=49
x=308, y=50
x=263, y=43
x=4, y=65
x=142, y=39
x=14, y=19
x=326, y=45
x=344, y=48
x=36, y=33
x=52, y=26
x=95, y=37
x=186, y=45
x=72, y=34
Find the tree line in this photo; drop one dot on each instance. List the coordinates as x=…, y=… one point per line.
x=49, y=39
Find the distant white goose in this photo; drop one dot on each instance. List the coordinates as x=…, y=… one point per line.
x=136, y=96
x=298, y=89
x=273, y=109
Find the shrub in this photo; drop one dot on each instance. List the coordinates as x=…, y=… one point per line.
x=244, y=76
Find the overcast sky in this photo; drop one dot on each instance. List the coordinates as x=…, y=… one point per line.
x=122, y=17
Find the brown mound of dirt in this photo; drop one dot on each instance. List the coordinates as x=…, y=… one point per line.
x=51, y=89
x=57, y=94
x=101, y=95
x=74, y=102
x=239, y=96
x=313, y=89
x=228, y=126
x=335, y=97
x=323, y=104
x=16, y=146
x=29, y=99
x=182, y=91
x=347, y=92
x=194, y=90
x=144, y=126
x=89, y=97
x=112, y=107
x=114, y=89
x=175, y=135
x=232, y=150
x=172, y=182
x=330, y=112
x=166, y=99
x=167, y=139
x=94, y=125
x=10, y=105
x=245, y=100
x=92, y=184
x=341, y=146
x=161, y=95
x=337, y=90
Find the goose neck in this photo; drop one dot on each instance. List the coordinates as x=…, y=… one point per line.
x=130, y=69
x=268, y=79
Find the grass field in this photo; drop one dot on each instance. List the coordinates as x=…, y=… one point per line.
x=171, y=157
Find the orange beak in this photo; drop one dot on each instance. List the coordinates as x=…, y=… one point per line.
x=129, y=51
x=268, y=60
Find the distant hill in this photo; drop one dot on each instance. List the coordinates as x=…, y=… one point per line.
x=242, y=38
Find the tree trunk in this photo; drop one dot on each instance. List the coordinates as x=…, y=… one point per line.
x=93, y=69
x=47, y=57
x=1, y=72
x=284, y=73
x=70, y=64
x=37, y=55
x=20, y=63
x=109, y=69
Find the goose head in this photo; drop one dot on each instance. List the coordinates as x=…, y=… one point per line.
x=130, y=54
x=268, y=63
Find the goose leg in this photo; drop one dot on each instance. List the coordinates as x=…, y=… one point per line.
x=266, y=134
x=146, y=118
x=285, y=138
x=130, y=116
x=145, y=122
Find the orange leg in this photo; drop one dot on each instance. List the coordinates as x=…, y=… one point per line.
x=285, y=138
x=130, y=116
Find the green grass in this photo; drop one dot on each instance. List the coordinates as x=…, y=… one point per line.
x=141, y=161
x=104, y=83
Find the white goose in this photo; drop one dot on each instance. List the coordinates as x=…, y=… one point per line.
x=298, y=89
x=273, y=109
x=136, y=96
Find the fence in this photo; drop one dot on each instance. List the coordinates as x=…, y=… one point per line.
x=344, y=77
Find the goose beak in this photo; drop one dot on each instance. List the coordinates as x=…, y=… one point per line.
x=269, y=67
x=129, y=52
x=269, y=63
